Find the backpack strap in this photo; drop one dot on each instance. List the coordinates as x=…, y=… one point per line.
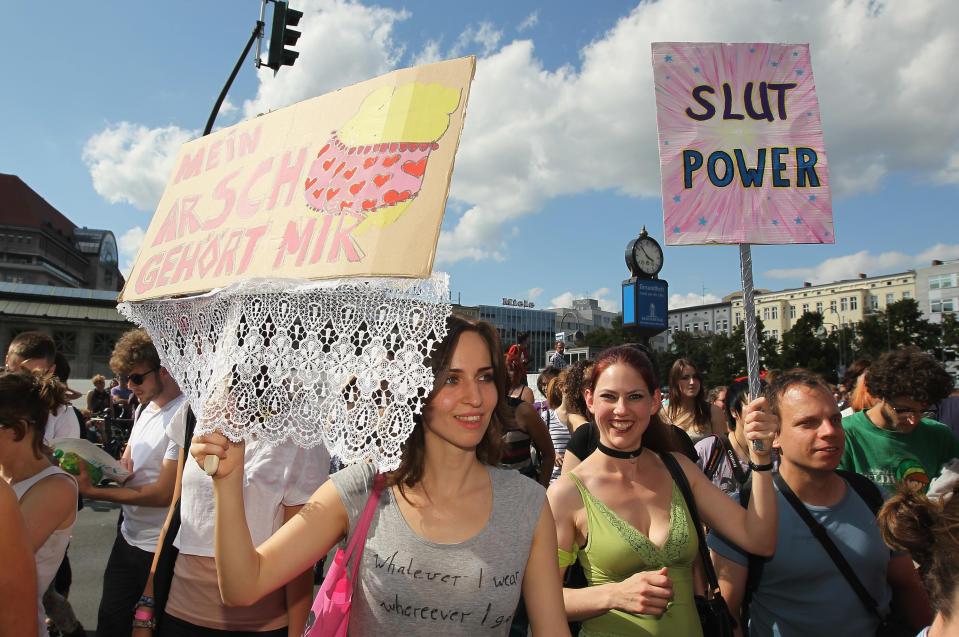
x=714, y=457
x=864, y=488
x=754, y=569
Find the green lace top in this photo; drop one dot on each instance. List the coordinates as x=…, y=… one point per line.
x=615, y=550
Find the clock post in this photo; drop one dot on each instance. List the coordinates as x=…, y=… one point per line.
x=645, y=311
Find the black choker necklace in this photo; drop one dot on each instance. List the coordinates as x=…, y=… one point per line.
x=622, y=455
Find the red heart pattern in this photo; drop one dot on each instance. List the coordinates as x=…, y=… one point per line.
x=353, y=178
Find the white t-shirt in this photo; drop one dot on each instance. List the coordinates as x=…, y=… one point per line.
x=274, y=477
x=148, y=446
x=62, y=424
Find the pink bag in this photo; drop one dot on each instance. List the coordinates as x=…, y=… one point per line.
x=330, y=615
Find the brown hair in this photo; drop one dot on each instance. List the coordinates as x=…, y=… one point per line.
x=554, y=391
x=490, y=448
x=29, y=345
x=701, y=409
x=658, y=436
x=782, y=381
x=929, y=530
x=134, y=348
x=574, y=385
x=27, y=400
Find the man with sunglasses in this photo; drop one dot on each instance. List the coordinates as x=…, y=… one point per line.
x=145, y=497
x=895, y=442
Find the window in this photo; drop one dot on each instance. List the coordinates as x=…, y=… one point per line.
x=853, y=303
x=819, y=306
x=66, y=343
x=726, y=324
x=695, y=327
x=775, y=312
x=792, y=311
x=706, y=326
x=890, y=298
x=832, y=306
x=765, y=313
x=739, y=318
x=805, y=308
x=945, y=305
x=941, y=281
x=906, y=294
x=874, y=301
x=766, y=333
x=844, y=304
x=776, y=334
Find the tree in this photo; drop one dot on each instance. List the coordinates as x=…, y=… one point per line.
x=609, y=336
x=802, y=346
x=901, y=324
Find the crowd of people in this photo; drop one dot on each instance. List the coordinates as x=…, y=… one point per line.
x=586, y=512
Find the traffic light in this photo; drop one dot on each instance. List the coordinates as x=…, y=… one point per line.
x=282, y=36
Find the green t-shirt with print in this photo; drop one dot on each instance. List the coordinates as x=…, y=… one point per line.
x=890, y=457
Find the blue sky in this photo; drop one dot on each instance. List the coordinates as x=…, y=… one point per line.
x=557, y=169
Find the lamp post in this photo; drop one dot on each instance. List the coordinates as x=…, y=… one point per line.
x=841, y=368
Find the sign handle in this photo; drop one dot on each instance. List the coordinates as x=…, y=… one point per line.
x=749, y=311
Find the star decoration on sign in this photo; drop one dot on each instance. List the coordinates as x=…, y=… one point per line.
x=702, y=221
x=669, y=58
x=798, y=221
x=812, y=197
x=676, y=198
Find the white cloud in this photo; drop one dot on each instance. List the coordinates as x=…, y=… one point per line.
x=533, y=293
x=601, y=295
x=690, y=299
x=533, y=134
x=864, y=262
x=529, y=22
x=128, y=245
x=131, y=163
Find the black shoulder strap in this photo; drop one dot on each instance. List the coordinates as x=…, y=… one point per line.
x=713, y=463
x=679, y=477
x=864, y=488
x=754, y=569
x=834, y=553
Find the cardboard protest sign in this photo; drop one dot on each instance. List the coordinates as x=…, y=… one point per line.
x=740, y=144
x=351, y=183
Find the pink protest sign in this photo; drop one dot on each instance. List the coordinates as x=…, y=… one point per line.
x=740, y=144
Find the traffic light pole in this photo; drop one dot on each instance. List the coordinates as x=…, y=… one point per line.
x=257, y=32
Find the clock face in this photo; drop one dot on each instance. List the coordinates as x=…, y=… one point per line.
x=647, y=255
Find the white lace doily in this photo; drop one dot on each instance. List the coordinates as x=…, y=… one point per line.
x=336, y=362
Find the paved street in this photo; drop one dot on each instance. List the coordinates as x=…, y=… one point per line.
x=93, y=537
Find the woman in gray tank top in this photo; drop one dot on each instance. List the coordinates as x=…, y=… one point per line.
x=453, y=541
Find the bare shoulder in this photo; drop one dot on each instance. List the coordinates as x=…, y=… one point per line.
x=564, y=496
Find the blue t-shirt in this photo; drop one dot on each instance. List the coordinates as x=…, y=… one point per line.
x=802, y=593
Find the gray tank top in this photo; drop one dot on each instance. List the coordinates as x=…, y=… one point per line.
x=411, y=586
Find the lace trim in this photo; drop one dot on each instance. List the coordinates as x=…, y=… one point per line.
x=337, y=362
x=675, y=541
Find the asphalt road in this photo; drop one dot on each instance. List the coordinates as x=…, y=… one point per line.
x=93, y=536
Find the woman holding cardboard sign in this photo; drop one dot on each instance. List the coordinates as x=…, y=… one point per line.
x=453, y=540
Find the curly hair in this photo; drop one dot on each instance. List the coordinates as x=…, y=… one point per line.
x=929, y=531
x=574, y=385
x=910, y=373
x=134, y=348
x=27, y=399
x=490, y=448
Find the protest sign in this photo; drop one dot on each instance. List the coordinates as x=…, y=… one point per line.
x=351, y=183
x=740, y=144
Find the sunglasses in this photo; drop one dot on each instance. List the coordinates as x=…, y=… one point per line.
x=137, y=379
x=918, y=413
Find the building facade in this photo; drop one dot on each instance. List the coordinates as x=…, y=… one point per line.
x=84, y=324
x=711, y=318
x=841, y=303
x=40, y=246
x=937, y=289
x=583, y=316
x=511, y=321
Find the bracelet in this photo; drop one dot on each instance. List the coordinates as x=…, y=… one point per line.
x=146, y=601
x=145, y=623
x=760, y=467
x=145, y=614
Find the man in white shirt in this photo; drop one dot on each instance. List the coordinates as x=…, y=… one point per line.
x=146, y=495
x=35, y=351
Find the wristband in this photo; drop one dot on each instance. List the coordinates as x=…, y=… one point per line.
x=145, y=623
x=760, y=467
x=145, y=614
x=146, y=601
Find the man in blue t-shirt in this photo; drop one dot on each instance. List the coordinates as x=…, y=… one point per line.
x=801, y=592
